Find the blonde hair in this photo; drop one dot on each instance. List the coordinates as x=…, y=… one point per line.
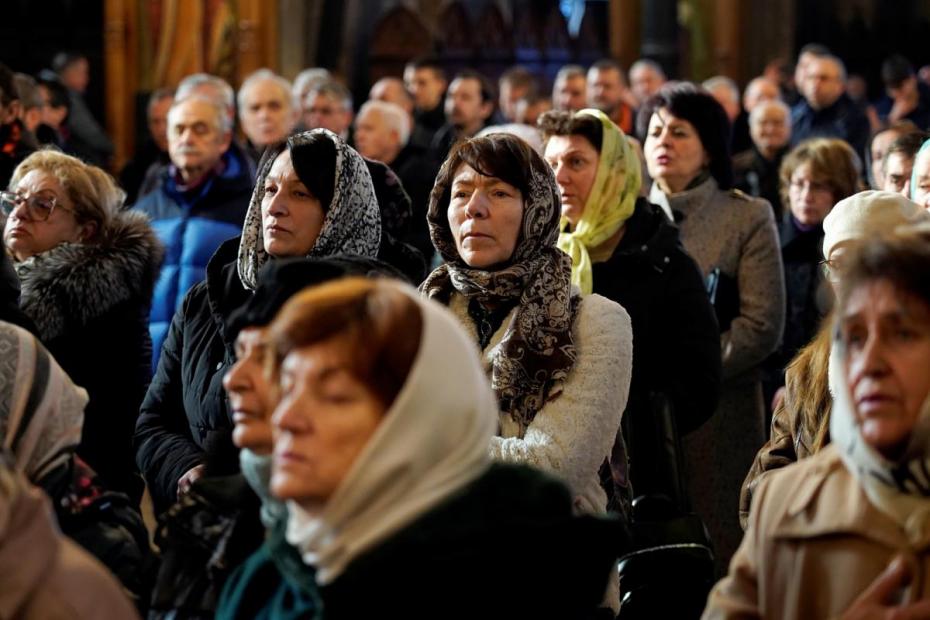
x=94, y=193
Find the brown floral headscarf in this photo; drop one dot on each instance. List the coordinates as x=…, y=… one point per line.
x=537, y=351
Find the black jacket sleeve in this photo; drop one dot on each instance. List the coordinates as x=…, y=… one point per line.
x=165, y=449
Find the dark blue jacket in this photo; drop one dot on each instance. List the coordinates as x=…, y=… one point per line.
x=192, y=226
x=843, y=120
x=919, y=115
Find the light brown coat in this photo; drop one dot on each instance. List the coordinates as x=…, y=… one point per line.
x=814, y=543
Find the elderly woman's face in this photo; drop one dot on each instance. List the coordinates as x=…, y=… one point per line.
x=485, y=214
x=43, y=218
x=887, y=336
x=252, y=396
x=674, y=152
x=292, y=217
x=324, y=420
x=574, y=161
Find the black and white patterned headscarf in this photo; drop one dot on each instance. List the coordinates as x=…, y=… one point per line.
x=352, y=224
x=537, y=351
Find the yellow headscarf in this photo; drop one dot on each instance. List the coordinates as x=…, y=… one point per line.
x=609, y=205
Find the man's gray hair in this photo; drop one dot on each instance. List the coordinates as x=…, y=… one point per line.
x=770, y=103
x=394, y=115
x=648, y=63
x=570, y=71
x=334, y=90
x=266, y=75
x=722, y=81
x=223, y=92
x=222, y=120
x=307, y=79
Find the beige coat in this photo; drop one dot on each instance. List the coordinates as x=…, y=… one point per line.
x=813, y=545
x=43, y=574
x=735, y=233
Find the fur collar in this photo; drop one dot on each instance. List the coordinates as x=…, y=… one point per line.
x=72, y=284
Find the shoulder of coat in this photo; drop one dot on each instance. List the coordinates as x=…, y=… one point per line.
x=739, y=195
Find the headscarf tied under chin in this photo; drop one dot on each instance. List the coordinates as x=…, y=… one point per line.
x=41, y=410
x=537, y=351
x=900, y=489
x=352, y=224
x=610, y=203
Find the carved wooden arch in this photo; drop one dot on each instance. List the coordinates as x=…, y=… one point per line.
x=456, y=34
x=399, y=36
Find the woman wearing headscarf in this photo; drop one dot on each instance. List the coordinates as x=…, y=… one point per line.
x=845, y=531
x=735, y=243
x=559, y=362
x=86, y=271
x=41, y=416
x=801, y=421
x=313, y=197
x=394, y=508
x=624, y=248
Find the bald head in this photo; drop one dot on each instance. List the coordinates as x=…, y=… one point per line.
x=758, y=90
x=392, y=90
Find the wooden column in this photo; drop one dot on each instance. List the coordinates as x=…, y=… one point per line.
x=119, y=60
x=625, y=20
x=257, y=44
x=727, y=37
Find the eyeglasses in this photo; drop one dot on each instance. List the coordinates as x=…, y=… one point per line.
x=39, y=206
x=813, y=187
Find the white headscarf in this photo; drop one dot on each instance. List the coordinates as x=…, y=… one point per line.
x=431, y=444
x=41, y=410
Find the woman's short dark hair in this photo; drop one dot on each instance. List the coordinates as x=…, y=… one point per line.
x=381, y=326
x=500, y=155
x=562, y=123
x=697, y=106
x=902, y=259
x=314, y=161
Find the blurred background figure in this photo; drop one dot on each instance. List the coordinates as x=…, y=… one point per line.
x=905, y=97
x=426, y=82
x=608, y=92
x=758, y=90
x=756, y=170
x=814, y=176
x=898, y=164
x=267, y=111
x=878, y=146
x=16, y=142
x=646, y=78
x=469, y=105
x=153, y=153
x=569, y=90
x=382, y=133
x=86, y=136
x=329, y=105
x=55, y=109
x=515, y=84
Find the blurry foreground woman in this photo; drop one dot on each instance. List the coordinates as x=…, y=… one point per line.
x=394, y=508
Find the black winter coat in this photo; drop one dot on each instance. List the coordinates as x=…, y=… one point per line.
x=185, y=419
x=90, y=304
x=676, y=342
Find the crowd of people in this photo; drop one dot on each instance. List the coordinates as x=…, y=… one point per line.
x=468, y=349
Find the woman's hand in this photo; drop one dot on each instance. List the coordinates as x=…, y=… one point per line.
x=878, y=601
x=189, y=478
